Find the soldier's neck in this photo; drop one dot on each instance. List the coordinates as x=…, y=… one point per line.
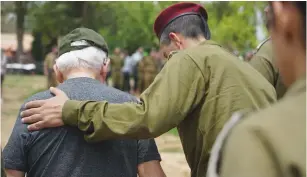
x=194, y=42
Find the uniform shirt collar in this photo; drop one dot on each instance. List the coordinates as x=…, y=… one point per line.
x=298, y=86
x=209, y=42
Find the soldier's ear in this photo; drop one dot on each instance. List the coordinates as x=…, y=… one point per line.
x=176, y=39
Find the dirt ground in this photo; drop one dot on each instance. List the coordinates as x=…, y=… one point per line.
x=18, y=87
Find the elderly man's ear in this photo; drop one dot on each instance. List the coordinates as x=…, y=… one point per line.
x=104, y=70
x=59, y=76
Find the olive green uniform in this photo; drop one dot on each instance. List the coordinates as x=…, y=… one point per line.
x=197, y=90
x=148, y=70
x=270, y=143
x=116, y=65
x=49, y=62
x=264, y=62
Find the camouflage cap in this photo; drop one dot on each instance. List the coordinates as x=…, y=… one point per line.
x=66, y=44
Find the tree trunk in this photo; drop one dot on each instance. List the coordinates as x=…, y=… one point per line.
x=84, y=14
x=20, y=10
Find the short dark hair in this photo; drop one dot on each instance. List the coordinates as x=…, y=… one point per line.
x=190, y=26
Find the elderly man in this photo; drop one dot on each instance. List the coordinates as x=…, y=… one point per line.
x=61, y=152
x=197, y=91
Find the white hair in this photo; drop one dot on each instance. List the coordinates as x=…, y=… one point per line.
x=88, y=58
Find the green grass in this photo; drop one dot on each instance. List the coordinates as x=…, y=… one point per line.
x=25, y=85
x=174, y=131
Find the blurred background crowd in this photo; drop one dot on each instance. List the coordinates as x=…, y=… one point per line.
x=30, y=32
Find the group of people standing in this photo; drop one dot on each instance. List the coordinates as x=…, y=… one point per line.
x=141, y=67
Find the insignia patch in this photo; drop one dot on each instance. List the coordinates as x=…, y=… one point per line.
x=171, y=54
x=263, y=42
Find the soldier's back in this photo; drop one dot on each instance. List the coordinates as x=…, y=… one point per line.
x=230, y=85
x=117, y=63
x=149, y=64
x=272, y=142
x=264, y=62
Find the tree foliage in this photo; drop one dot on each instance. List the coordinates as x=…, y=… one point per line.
x=129, y=24
x=233, y=24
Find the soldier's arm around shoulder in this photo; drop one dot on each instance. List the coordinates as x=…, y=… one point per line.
x=242, y=152
x=174, y=93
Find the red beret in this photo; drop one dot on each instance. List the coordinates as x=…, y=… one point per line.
x=175, y=11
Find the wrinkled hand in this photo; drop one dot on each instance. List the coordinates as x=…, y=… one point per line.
x=45, y=113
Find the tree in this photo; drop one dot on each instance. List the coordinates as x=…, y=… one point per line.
x=130, y=24
x=20, y=10
x=233, y=24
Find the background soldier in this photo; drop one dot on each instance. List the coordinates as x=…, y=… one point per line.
x=148, y=70
x=3, y=71
x=264, y=62
x=137, y=56
x=116, y=65
x=127, y=70
x=272, y=142
x=48, y=68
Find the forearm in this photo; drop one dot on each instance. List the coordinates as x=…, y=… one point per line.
x=102, y=121
x=14, y=173
x=151, y=169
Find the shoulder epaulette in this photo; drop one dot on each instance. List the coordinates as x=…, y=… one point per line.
x=263, y=42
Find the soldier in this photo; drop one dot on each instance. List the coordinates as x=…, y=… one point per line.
x=116, y=65
x=148, y=70
x=109, y=74
x=137, y=56
x=126, y=71
x=48, y=68
x=264, y=62
x=3, y=71
x=197, y=91
x=272, y=142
